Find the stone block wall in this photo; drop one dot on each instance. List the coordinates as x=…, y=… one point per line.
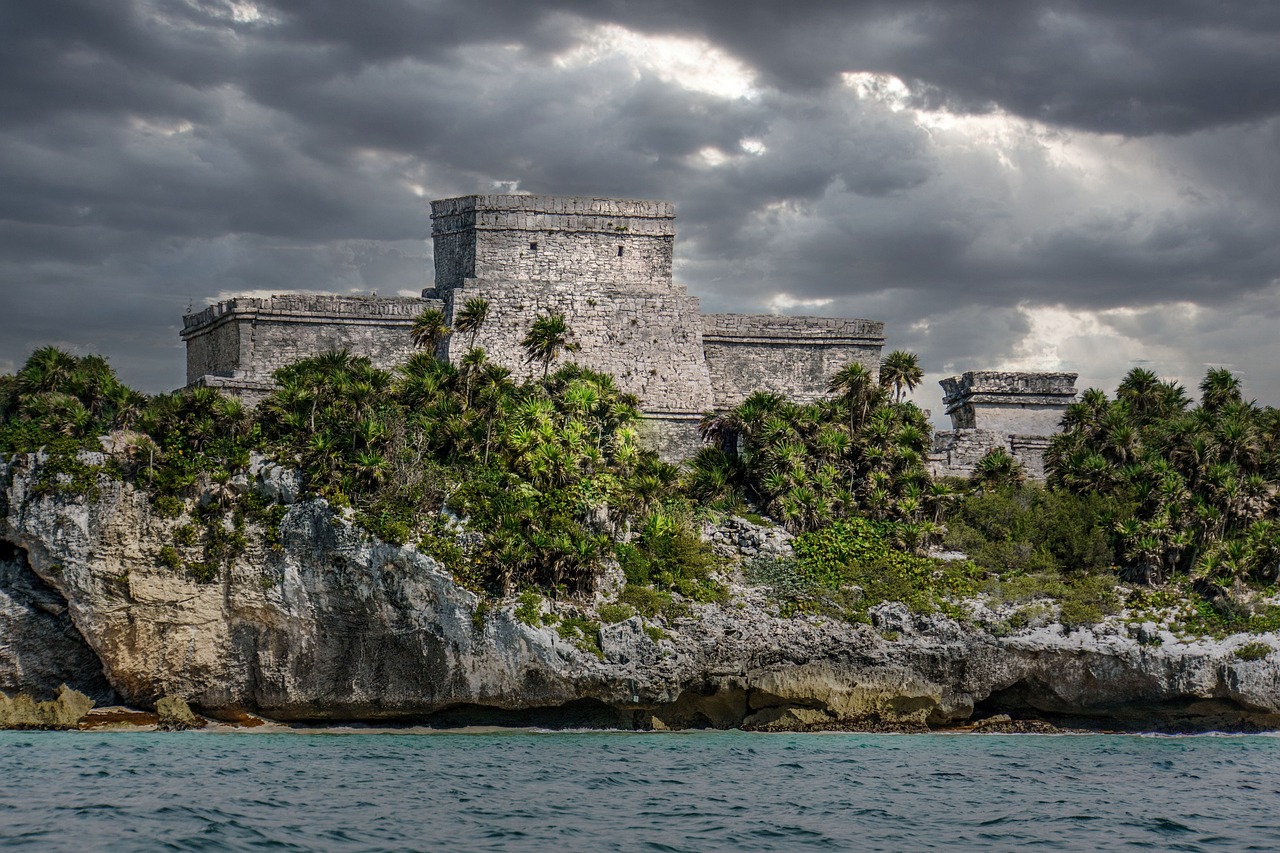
x=673, y=436
x=791, y=356
x=1008, y=402
x=554, y=239
x=651, y=343
x=249, y=338
x=1018, y=412
x=956, y=453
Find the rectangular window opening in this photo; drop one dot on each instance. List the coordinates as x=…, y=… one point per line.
x=619, y=251
x=533, y=247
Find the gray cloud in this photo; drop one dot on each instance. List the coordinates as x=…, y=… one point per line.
x=1112, y=164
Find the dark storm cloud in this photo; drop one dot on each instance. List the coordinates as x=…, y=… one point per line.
x=163, y=152
x=1132, y=67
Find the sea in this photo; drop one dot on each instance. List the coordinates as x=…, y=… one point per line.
x=598, y=791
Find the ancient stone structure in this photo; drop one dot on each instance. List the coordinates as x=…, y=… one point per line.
x=989, y=409
x=236, y=345
x=605, y=263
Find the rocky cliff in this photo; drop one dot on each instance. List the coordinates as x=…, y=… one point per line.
x=324, y=623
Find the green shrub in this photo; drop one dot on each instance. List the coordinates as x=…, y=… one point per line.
x=1253, y=651
x=167, y=506
x=859, y=553
x=480, y=614
x=656, y=634
x=185, y=535
x=670, y=555
x=1032, y=530
x=781, y=574
x=168, y=557
x=613, y=613
x=202, y=571
x=582, y=632
x=529, y=608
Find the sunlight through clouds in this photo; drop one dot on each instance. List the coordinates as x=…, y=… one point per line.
x=690, y=63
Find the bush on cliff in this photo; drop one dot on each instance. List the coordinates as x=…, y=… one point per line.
x=544, y=472
x=1027, y=529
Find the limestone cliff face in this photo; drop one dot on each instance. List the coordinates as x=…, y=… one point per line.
x=334, y=625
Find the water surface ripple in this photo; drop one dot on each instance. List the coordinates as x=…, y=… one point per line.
x=704, y=791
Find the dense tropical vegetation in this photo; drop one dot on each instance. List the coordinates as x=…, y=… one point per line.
x=543, y=484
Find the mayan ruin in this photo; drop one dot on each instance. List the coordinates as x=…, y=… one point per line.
x=606, y=264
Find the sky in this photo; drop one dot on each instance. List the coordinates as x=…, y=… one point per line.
x=1078, y=185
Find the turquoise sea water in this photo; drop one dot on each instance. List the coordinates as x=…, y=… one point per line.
x=704, y=791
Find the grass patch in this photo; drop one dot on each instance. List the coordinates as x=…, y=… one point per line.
x=1253, y=651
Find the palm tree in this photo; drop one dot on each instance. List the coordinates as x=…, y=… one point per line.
x=997, y=468
x=900, y=369
x=1219, y=388
x=854, y=385
x=46, y=369
x=429, y=328
x=471, y=317
x=548, y=337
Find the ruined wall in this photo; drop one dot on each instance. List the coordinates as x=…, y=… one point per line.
x=651, y=343
x=1008, y=402
x=956, y=453
x=556, y=239
x=1018, y=412
x=674, y=437
x=248, y=338
x=792, y=356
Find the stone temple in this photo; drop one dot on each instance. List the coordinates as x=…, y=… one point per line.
x=606, y=264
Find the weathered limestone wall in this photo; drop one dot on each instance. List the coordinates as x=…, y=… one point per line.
x=651, y=343
x=1024, y=403
x=792, y=356
x=1018, y=412
x=557, y=239
x=248, y=339
x=956, y=453
x=673, y=436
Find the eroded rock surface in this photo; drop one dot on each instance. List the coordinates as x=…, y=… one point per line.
x=40, y=647
x=335, y=625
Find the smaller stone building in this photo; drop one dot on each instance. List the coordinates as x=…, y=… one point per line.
x=1018, y=412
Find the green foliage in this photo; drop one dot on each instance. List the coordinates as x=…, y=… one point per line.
x=203, y=571
x=529, y=608
x=479, y=615
x=169, y=557
x=650, y=602
x=59, y=397
x=168, y=506
x=1253, y=651
x=1222, y=616
x=612, y=613
x=548, y=337
x=64, y=474
x=582, y=632
x=781, y=574
x=656, y=634
x=860, y=452
x=860, y=553
x=1031, y=529
x=669, y=555
x=1201, y=481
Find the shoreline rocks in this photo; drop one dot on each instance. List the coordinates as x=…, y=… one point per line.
x=332, y=626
